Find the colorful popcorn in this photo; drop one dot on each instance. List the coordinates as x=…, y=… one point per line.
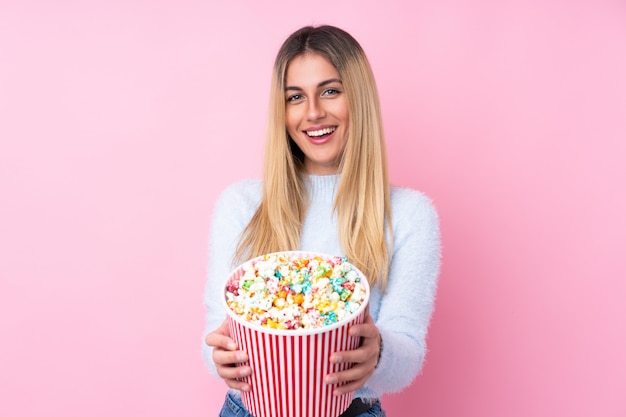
x=289, y=290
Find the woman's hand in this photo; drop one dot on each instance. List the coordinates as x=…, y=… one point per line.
x=365, y=358
x=226, y=357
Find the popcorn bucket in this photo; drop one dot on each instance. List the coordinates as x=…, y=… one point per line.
x=289, y=366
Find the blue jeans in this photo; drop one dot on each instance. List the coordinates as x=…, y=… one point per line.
x=233, y=407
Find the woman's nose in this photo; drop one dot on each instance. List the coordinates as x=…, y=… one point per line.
x=315, y=110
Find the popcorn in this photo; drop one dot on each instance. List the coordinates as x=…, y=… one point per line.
x=292, y=291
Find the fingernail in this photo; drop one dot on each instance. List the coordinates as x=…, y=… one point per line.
x=232, y=346
x=331, y=379
x=241, y=357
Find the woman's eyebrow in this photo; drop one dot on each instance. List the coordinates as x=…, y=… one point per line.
x=322, y=84
x=332, y=80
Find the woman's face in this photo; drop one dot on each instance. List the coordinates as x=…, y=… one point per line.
x=316, y=112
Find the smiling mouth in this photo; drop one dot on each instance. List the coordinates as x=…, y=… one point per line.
x=320, y=133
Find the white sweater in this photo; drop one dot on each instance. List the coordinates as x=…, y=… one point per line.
x=402, y=314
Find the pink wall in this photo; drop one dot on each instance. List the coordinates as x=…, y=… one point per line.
x=120, y=122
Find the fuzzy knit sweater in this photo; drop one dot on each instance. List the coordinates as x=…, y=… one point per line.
x=402, y=314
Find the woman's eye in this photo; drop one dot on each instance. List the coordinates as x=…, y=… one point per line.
x=294, y=97
x=330, y=92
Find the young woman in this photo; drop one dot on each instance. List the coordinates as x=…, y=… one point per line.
x=325, y=189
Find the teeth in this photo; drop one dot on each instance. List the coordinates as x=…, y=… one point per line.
x=321, y=132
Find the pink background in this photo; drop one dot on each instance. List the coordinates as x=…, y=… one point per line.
x=121, y=121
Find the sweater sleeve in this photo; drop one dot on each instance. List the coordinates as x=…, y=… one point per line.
x=407, y=305
x=232, y=212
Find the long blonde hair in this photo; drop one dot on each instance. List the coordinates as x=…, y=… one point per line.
x=362, y=201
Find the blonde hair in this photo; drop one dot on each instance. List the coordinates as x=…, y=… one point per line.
x=362, y=201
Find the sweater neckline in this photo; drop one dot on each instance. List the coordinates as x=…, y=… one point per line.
x=323, y=185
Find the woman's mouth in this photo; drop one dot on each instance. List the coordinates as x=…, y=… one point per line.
x=320, y=133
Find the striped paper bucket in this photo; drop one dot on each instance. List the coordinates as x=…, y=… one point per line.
x=289, y=366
